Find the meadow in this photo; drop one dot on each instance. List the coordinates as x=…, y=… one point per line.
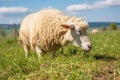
x=70, y=63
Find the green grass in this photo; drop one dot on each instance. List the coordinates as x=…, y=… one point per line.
x=70, y=63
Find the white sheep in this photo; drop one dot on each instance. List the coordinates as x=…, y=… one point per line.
x=49, y=29
x=95, y=31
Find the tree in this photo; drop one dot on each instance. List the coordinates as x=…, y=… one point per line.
x=2, y=32
x=113, y=26
x=103, y=28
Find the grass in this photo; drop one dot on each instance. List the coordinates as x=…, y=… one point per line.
x=70, y=63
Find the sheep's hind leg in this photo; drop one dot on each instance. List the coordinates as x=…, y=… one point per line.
x=27, y=50
x=39, y=52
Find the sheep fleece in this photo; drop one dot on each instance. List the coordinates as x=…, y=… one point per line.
x=44, y=29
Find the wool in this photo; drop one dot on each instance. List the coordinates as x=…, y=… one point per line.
x=95, y=31
x=44, y=29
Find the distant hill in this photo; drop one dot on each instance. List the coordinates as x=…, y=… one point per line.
x=9, y=26
x=91, y=24
x=99, y=24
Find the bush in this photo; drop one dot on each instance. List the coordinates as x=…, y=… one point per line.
x=2, y=32
x=113, y=26
x=103, y=28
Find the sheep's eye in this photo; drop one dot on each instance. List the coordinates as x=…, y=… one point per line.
x=79, y=32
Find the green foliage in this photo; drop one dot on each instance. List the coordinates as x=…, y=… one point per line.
x=103, y=28
x=113, y=26
x=70, y=63
x=2, y=32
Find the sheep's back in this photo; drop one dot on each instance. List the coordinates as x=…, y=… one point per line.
x=49, y=28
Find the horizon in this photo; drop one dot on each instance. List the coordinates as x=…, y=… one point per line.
x=13, y=11
x=91, y=25
x=20, y=23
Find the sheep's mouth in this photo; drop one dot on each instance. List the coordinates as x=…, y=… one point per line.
x=86, y=49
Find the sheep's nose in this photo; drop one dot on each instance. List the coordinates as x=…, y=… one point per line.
x=90, y=46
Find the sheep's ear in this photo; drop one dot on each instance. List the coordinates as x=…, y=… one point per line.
x=65, y=26
x=68, y=26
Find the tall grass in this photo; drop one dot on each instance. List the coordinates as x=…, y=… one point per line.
x=70, y=63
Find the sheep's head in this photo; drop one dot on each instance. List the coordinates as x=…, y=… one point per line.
x=77, y=35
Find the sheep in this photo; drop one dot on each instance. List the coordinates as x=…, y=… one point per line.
x=49, y=29
x=95, y=31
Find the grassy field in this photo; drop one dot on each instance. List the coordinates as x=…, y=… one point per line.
x=70, y=63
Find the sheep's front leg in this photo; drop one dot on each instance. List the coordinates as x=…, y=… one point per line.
x=27, y=50
x=39, y=52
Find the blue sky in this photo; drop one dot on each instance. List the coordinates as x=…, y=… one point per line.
x=13, y=11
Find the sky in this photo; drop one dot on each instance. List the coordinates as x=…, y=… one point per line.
x=13, y=11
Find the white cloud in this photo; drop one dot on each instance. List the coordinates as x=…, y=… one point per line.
x=4, y=10
x=7, y=12
x=94, y=5
x=13, y=14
